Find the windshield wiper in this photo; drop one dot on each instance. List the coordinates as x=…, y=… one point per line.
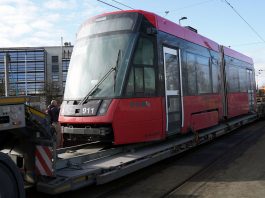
x=116, y=69
x=97, y=85
x=95, y=88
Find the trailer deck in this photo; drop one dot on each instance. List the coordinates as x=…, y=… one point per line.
x=81, y=166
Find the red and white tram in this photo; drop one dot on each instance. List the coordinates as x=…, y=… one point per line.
x=137, y=77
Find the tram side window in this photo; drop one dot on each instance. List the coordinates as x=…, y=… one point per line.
x=139, y=84
x=215, y=76
x=144, y=54
x=149, y=80
x=191, y=66
x=130, y=84
x=243, y=80
x=203, y=75
x=233, y=79
x=141, y=80
x=250, y=79
x=198, y=68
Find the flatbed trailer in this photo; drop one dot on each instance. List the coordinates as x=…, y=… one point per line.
x=79, y=167
x=67, y=169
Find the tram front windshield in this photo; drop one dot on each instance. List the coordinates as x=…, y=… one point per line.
x=102, y=44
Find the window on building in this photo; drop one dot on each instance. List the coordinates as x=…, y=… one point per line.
x=65, y=65
x=67, y=54
x=40, y=77
x=2, y=69
x=64, y=76
x=55, y=64
x=55, y=77
x=34, y=61
x=55, y=59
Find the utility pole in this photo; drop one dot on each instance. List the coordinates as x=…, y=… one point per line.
x=6, y=62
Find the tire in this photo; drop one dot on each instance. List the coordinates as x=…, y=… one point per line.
x=11, y=183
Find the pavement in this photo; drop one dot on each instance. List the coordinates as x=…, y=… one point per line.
x=231, y=166
x=239, y=173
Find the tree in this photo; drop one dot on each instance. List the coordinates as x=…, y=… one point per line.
x=51, y=91
x=261, y=91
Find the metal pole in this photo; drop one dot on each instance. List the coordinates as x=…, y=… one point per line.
x=26, y=85
x=61, y=61
x=62, y=47
x=6, y=60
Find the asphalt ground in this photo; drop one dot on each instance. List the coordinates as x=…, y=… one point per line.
x=230, y=166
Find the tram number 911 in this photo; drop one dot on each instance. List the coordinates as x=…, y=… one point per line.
x=89, y=111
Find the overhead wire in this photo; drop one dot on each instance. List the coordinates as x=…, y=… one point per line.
x=123, y=4
x=246, y=44
x=257, y=34
x=110, y=4
x=188, y=6
x=193, y=5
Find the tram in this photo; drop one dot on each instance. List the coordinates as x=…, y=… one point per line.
x=137, y=77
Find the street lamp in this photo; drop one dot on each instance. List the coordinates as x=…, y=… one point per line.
x=258, y=73
x=182, y=18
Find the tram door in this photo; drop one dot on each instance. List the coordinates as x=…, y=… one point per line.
x=250, y=81
x=173, y=91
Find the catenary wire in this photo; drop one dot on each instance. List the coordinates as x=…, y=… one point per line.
x=244, y=20
x=123, y=4
x=247, y=44
x=188, y=6
x=109, y=4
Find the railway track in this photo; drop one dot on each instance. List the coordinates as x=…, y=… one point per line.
x=169, y=176
x=242, y=140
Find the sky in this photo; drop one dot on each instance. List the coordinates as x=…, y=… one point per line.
x=35, y=23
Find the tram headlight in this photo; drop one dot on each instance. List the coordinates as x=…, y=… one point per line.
x=104, y=107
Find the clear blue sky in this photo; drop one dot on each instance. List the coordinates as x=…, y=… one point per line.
x=42, y=23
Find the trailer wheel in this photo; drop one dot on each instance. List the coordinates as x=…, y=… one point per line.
x=11, y=183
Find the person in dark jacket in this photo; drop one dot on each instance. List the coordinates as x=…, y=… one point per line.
x=53, y=112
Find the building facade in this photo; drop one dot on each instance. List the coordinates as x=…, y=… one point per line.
x=36, y=71
x=58, y=59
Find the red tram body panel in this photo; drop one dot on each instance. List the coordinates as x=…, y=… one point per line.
x=138, y=119
x=206, y=108
x=237, y=104
x=149, y=80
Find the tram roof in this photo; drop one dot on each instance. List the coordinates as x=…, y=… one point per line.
x=172, y=28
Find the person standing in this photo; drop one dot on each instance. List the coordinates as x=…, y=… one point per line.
x=53, y=112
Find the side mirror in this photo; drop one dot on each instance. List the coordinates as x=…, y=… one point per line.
x=151, y=31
